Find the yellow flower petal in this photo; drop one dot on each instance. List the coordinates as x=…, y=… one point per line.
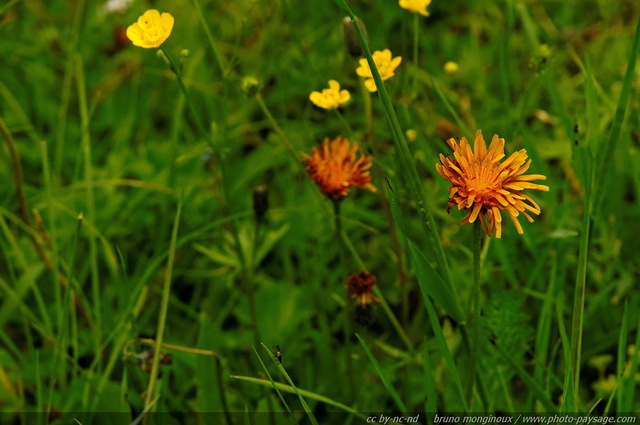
x=330, y=98
x=151, y=29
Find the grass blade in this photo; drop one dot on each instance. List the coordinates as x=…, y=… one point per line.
x=273, y=383
x=528, y=379
x=282, y=370
x=305, y=393
x=385, y=380
x=432, y=284
x=606, y=152
x=416, y=186
x=164, y=307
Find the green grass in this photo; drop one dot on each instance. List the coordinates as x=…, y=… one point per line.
x=129, y=242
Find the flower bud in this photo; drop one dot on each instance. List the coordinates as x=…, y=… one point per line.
x=250, y=86
x=162, y=56
x=260, y=201
x=351, y=41
x=411, y=135
x=451, y=67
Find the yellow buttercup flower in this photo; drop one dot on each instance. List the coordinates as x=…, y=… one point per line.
x=386, y=67
x=151, y=30
x=486, y=187
x=416, y=6
x=411, y=135
x=451, y=67
x=330, y=98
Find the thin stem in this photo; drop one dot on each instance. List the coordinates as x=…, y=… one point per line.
x=16, y=170
x=197, y=351
x=336, y=211
x=347, y=319
x=416, y=39
x=185, y=93
x=477, y=248
x=344, y=122
x=219, y=59
x=276, y=127
x=408, y=165
x=162, y=318
x=368, y=115
x=383, y=302
x=474, y=316
x=91, y=204
x=580, y=286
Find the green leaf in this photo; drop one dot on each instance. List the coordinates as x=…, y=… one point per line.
x=431, y=284
x=342, y=5
x=383, y=377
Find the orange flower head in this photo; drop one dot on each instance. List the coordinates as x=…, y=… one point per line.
x=337, y=165
x=359, y=286
x=484, y=186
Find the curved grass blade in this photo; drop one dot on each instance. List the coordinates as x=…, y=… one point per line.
x=607, y=150
x=432, y=284
x=273, y=383
x=409, y=168
x=385, y=380
x=305, y=406
x=528, y=379
x=308, y=394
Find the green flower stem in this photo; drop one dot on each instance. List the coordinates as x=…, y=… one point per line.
x=338, y=219
x=162, y=318
x=368, y=115
x=345, y=123
x=243, y=263
x=91, y=205
x=474, y=316
x=477, y=248
x=376, y=291
x=580, y=285
x=387, y=208
x=219, y=59
x=416, y=41
x=408, y=165
x=347, y=320
x=185, y=93
x=276, y=127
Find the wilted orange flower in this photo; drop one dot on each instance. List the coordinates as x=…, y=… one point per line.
x=337, y=165
x=359, y=286
x=151, y=29
x=330, y=98
x=416, y=6
x=385, y=64
x=484, y=186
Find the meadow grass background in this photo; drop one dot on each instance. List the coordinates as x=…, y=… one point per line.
x=102, y=131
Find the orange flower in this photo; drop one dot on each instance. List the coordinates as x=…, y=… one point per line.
x=338, y=165
x=360, y=285
x=484, y=186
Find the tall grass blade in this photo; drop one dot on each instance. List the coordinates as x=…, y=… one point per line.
x=164, y=307
x=305, y=393
x=273, y=383
x=383, y=377
x=284, y=373
x=416, y=186
x=607, y=151
x=528, y=379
